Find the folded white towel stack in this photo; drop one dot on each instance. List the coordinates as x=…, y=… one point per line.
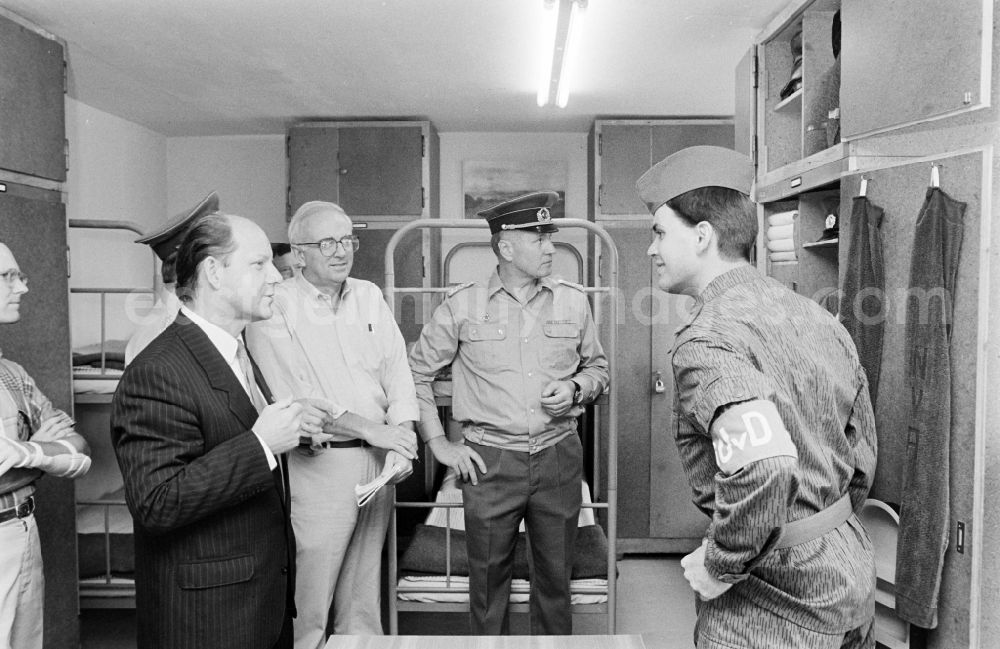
x=782, y=218
x=780, y=236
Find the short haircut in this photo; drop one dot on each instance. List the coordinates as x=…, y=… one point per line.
x=730, y=212
x=209, y=236
x=278, y=249
x=168, y=269
x=495, y=243
x=297, y=223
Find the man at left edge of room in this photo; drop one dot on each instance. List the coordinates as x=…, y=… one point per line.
x=35, y=438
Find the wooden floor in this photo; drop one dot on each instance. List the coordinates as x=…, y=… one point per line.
x=654, y=601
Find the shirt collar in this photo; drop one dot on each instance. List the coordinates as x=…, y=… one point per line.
x=495, y=284
x=222, y=339
x=310, y=289
x=726, y=281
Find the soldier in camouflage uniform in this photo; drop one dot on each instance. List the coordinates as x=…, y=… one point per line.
x=774, y=424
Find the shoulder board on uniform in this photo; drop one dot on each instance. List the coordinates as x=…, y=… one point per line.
x=456, y=289
x=578, y=287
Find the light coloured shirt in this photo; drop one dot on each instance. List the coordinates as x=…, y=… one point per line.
x=153, y=324
x=227, y=345
x=353, y=356
x=23, y=408
x=503, y=354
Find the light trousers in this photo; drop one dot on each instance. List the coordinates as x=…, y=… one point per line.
x=22, y=585
x=338, y=546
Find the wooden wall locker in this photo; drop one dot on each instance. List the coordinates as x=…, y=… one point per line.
x=918, y=85
x=32, y=111
x=371, y=169
x=655, y=509
x=33, y=226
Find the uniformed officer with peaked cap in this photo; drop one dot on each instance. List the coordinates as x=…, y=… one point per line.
x=531, y=211
x=525, y=360
x=164, y=241
x=772, y=421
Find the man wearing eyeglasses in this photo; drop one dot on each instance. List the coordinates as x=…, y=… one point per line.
x=35, y=438
x=332, y=339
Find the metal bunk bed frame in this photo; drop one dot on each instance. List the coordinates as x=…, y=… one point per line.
x=610, y=501
x=110, y=592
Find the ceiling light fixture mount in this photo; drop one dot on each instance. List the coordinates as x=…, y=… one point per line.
x=561, y=24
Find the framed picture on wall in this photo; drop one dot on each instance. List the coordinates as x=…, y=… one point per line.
x=486, y=183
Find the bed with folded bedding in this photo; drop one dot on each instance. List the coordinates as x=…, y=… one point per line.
x=97, y=368
x=433, y=570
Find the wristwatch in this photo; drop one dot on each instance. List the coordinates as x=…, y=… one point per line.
x=577, y=394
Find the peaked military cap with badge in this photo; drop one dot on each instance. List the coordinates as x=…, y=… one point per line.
x=528, y=212
x=693, y=168
x=166, y=238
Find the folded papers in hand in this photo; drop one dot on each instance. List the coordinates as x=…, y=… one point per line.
x=365, y=492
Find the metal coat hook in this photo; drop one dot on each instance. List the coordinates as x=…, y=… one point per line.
x=935, y=175
x=863, y=191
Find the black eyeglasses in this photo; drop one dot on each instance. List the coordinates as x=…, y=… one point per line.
x=11, y=275
x=328, y=246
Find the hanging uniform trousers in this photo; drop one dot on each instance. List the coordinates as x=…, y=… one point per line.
x=924, y=515
x=862, y=311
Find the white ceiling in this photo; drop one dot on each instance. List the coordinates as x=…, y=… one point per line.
x=213, y=67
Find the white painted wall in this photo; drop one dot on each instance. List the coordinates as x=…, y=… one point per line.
x=511, y=147
x=248, y=172
x=120, y=170
x=116, y=172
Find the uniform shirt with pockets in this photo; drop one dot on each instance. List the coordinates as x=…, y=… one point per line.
x=503, y=353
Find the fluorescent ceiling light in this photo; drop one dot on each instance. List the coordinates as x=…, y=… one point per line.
x=561, y=35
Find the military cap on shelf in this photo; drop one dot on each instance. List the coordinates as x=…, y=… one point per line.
x=692, y=168
x=530, y=211
x=164, y=240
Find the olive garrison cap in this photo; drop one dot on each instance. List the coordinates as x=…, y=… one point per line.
x=164, y=240
x=692, y=168
x=530, y=211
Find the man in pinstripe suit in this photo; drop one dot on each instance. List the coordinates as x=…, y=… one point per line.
x=199, y=446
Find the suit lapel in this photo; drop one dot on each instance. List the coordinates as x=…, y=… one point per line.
x=218, y=371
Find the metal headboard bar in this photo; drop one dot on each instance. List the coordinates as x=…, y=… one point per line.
x=611, y=349
x=101, y=224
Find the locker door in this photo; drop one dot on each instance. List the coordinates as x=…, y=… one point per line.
x=671, y=138
x=655, y=513
x=312, y=166
x=624, y=156
x=33, y=226
x=632, y=378
x=672, y=516
x=32, y=110
x=381, y=170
